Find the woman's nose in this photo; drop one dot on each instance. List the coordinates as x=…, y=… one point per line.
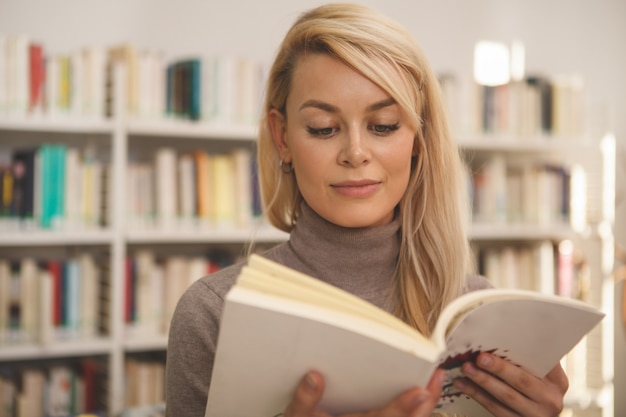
x=354, y=151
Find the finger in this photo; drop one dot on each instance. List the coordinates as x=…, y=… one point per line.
x=558, y=377
x=415, y=402
x=521, y=380
x=482, y=397
x=308, y=394
x=514, y=387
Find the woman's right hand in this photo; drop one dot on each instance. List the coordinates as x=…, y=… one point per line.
x=415, y=402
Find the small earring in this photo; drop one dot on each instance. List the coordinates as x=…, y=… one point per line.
x=286, y=167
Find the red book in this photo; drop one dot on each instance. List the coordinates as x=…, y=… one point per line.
x=89, y=370
x=37, y=75
x=54, y=267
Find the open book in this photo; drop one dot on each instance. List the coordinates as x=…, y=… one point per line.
x=278, y=324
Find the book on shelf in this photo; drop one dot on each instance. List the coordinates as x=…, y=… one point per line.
x=366, y=355
x=189, y=189
x=45, y=301
x=535, y=106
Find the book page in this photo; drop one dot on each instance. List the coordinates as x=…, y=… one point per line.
x=275, y=279
x=266, y=345
x=533, y=330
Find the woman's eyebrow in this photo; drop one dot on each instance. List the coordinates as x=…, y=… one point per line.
x=334, y=109
x=381, y=104
x=319, y=105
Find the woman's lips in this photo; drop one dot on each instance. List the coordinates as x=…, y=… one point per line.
x=358, y=189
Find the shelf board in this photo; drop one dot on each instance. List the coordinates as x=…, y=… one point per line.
x=191, y=129
x=87, y=347
x=140, y=344
x=519, y=232
x=208, y=235
x=495, y=143
x=55, y=238
x=60, y=124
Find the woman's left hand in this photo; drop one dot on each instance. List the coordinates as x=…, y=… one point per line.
x=507, y=390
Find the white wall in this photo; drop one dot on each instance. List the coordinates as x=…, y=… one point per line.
x=561, y=36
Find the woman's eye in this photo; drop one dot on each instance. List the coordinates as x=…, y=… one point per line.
x=385, y=128
x=323, y=131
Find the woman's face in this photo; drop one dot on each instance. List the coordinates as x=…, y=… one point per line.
x=349, y=143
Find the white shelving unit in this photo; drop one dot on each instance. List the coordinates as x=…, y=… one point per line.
x=593, y=238
x=117, y=238
x=118, y=137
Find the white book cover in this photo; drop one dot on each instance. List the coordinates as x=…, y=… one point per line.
x=174, y=284
x=29, y=300
x=77, y=85
x=94, y=58
x=46, y=314
x=186, y=187
x=21, y=74
x=225, y=89
x=367, y=356
x=248, y=97
x=166, y=187
x=145, y=264
x=198, y=268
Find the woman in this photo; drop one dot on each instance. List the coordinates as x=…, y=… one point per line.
x=357, y=164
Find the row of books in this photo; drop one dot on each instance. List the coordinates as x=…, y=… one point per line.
x=153, y=285
x=224, y=89
x=506, y=191
x=53, y=186
x=80, y=84
x=545, y=267
x=145, y=382
x=191, y=190
x=34, y=82
x=46, y=301
x=534, y=106
x=550, y=268
x=52, y=390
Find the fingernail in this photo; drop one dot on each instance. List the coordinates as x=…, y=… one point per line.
x=420, y=397
x=485, y=360
x=460, y=384
x=311, y=382
x=441, y=378
x=469, y=369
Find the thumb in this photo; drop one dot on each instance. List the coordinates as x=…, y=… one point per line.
x=308, y=394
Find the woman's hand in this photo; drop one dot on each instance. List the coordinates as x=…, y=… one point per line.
x=507, y=390
x=415, y=402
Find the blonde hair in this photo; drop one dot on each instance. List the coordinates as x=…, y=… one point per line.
x=434, y=253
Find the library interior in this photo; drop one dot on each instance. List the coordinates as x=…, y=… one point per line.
x=128, y=171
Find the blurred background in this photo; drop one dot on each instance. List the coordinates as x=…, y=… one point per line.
x=572, y=37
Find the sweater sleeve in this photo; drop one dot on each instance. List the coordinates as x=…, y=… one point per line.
x=476, y=282
x=191, y=350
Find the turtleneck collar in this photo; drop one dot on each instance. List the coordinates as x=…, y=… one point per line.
x=358, y=260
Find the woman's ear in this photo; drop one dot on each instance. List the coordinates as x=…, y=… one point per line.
x=278, y=127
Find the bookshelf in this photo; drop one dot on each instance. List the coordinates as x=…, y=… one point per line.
x=579, y=243
x=126, y=138
x=116, y=141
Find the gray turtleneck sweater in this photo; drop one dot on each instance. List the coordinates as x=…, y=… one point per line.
x=360, y=261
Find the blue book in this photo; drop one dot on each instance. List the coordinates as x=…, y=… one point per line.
x=45, y=184
x=72, y=297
